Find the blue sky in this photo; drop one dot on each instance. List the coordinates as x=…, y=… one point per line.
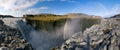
x=92, y=7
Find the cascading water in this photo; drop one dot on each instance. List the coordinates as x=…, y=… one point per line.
x=45, y=41
x=40, y=40
x=71, y=26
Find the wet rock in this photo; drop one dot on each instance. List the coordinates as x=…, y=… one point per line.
x=104, y=36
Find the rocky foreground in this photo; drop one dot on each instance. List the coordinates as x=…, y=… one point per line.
x=104, y=36
x=11, y=39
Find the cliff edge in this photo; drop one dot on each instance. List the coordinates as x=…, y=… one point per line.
x=103, y=36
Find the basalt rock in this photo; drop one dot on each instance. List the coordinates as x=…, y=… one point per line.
x=11, y=39
x=103, y=36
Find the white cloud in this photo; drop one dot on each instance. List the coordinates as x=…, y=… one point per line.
x=71, y=1
x=19, y=13
x=98, y=9
x=20, y=7
x=62, y=0
x=47, y=0
x=107, y=12
x=36, y=10
x=17, y=4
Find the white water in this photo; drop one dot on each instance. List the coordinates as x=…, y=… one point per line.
x=45, y=41
x=71, y=26
x=40, y=40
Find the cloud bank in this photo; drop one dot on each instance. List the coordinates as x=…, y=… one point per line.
x=20, y=7
x=97, y=8
x=17, y=4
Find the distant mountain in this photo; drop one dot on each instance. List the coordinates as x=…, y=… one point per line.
x=5, y=16
x=116, y=16
x=81, y=15
x=76, y=14
x=50, y=22
x=41, y=15
x=65, y=15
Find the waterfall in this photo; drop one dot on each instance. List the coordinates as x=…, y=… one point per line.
x=24, y=29
x=71, y=26
x=40, y=40
x=45, y=41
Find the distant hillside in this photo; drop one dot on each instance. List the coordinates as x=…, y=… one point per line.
x=52, y=17
x=45, y=22
x=5, y=16
x=44, y=17
x=50, y=22
x=116, y=16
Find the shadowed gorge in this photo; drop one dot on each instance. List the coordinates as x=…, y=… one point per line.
x=61, y=32
x=57, y=28
x=59, y=24
x=50, y=22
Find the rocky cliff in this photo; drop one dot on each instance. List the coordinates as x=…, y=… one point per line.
x=50, y=22
x=12, y=39
x=103, y=36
